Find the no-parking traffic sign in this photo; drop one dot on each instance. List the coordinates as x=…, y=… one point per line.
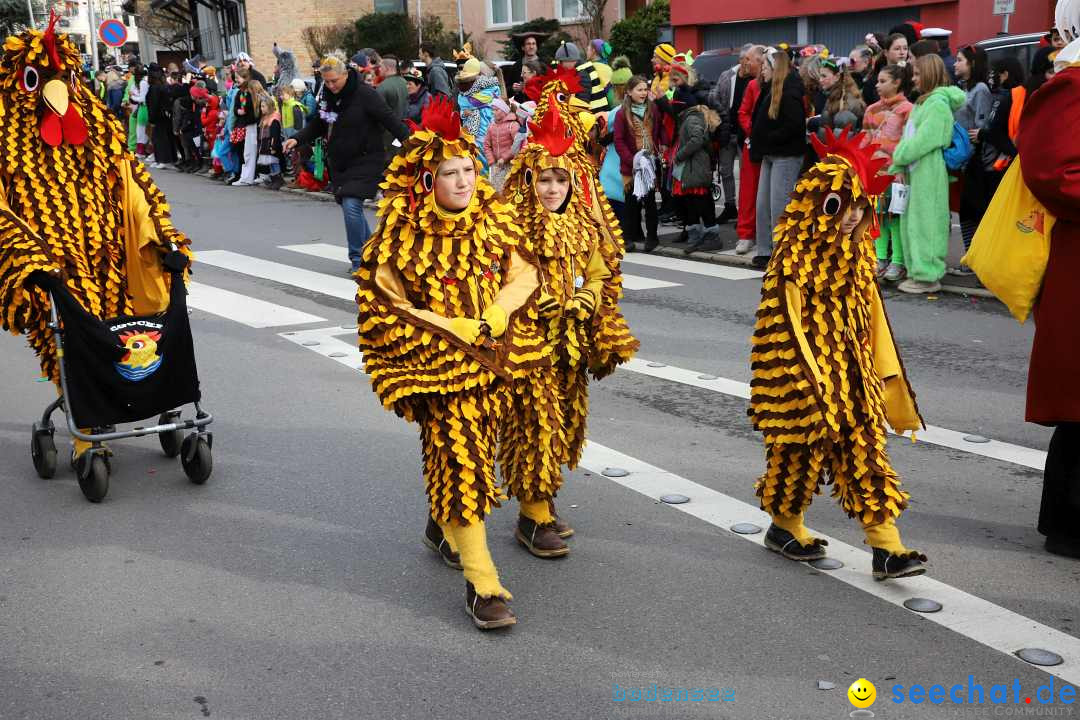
x=113, y=33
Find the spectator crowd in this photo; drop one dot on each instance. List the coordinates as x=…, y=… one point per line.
x=669, y=146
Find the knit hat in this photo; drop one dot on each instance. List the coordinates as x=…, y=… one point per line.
x=200, y=93
x=665, y=51
x=471, y=69
x=621, y=76
x=298, y=85
x=603, y=49
x=568, y=51
x=245, y=57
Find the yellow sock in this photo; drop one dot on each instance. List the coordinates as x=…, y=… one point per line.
x=539, y=511
x=794, y=525
x=471, y=541
x=885, y=536
x=448, y=535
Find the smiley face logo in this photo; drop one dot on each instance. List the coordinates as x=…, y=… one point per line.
x=862, y=693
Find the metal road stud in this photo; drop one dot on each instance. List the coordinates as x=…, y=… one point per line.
x=310, y=343
x=674, y=499
x=707, y=377
x=656, y=364
x=746, y=528
x=922, y=605
x=1038, y=656
x=976, y=439
x=615, y=472
x=826, y=564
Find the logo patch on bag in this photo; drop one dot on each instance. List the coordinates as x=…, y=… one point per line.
x=142, y=359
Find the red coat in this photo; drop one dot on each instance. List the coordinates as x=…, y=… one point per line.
x=210, y=119
x=1050, y=159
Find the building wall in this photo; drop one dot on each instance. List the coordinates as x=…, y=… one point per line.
x=283, y=22
x=970, y=20
x=477, y=22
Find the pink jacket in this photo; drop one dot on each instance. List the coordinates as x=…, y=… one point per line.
x=499, y=141
x=884, y=122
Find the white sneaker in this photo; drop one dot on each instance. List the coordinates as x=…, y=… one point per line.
x=242, y=183
x=917, y=287
x=894, y=272
x=743, y=247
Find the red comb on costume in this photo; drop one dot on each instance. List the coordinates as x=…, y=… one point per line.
x=534, y=87
x=49, y=40
x=441, y=118
x=568, y=76
x=551, y=132
x=860, y=155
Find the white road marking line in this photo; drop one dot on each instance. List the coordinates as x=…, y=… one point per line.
x=989, y=624
x=663, y=262
x=245, y=309
x=342, y=288
x=334, y=252
x=997, y=450
x=327, y=344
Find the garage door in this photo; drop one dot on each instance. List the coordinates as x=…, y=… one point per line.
x=763, y=32
x=841, y=32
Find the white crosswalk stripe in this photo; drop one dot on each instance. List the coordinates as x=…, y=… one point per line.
x=336, y=252
x=245, y=309
x=343, y=288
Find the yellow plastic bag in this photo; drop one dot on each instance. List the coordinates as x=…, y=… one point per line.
x=1011, y=246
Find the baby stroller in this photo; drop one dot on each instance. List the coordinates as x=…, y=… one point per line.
x=123, y=370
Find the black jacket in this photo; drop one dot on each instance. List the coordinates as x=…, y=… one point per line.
x=159, y=105
x=354, y=147
x=786, y=135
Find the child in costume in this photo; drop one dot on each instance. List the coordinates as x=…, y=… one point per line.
x=573, y=233
x=440, y=282
x=826, y=373
x=74, y=203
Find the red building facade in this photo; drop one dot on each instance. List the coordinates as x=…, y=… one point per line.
x=839, y=24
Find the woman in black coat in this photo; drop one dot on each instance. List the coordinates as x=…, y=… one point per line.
x=351, y=117
x=778, y=142
x=159, y=115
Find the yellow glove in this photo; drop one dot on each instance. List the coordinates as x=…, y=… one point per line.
x=548, y=306
x=466, y=329
x=495, y=317
x=582, y=305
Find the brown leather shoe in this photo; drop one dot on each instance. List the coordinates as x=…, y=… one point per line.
x=436, y=541
x=561, y=528
x=540, y=540
x=487, y=613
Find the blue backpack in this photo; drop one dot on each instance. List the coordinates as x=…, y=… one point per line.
x=960, y=149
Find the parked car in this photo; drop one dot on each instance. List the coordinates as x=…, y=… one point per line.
x=711, y=63
x=1023, y=47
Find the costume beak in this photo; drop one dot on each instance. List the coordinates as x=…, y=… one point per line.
x=56, y=97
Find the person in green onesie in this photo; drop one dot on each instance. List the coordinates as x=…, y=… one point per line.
x=925, y=225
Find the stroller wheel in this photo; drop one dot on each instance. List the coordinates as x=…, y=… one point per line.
x=43, y=452
x=170, y=441
x=93, y=470
x=196, y=458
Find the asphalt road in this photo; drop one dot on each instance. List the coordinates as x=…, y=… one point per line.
x=294, y=583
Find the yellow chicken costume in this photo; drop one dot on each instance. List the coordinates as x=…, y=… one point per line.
x=826, y=372
x=438, y=293
x=579, y=255
x=74, y=202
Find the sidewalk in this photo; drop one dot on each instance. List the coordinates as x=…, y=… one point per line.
x=668, y=247
x=669, y=233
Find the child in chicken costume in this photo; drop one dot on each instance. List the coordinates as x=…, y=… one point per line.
x=74, y=203
x=438, y=291
x=579, y=251
x=826, y=373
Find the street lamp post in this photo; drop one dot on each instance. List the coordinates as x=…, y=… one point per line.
x=92, y=35
x=30, y=7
